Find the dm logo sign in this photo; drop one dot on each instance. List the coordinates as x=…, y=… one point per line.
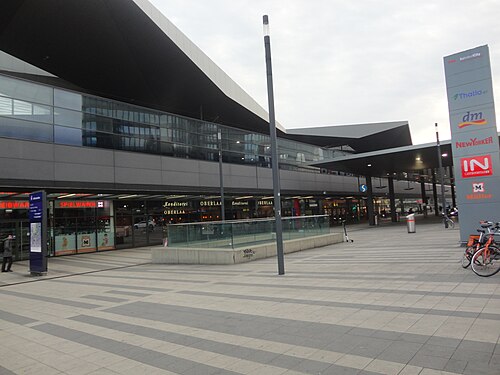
x=472, y=118
x=476, y=166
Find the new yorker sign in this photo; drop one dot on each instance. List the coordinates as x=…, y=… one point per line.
x=474, y=138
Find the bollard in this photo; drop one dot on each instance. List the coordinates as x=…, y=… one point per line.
x=410, y=223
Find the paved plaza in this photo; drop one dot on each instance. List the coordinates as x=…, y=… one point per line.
x=388, y=303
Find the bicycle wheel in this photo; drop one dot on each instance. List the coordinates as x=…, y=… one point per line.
x=486, y=261
x=451, y=224
x=467, y=256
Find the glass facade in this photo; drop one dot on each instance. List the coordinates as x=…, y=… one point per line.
x=42, y=113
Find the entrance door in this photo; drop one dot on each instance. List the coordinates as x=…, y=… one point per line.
x=19, y=229
x=142, y=227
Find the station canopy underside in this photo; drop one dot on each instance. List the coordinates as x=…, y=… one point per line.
x=388, y=163
x=118, y=50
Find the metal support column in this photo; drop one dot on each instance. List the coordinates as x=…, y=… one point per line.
x=441, y=175
x=369, y=201
x=423, y=193
x=221, y=178
x=392, y=200
x=274, y=150
x=452, y=184
x=434, y=193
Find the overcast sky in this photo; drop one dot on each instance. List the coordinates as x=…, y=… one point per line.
x=338, y=62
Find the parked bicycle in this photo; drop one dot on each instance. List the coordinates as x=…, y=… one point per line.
x=486, y=261
x=448, y=223
x=476, y=241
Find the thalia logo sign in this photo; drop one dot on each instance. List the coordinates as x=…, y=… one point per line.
x=468, y=94
x=476, y=166
x=472, y=118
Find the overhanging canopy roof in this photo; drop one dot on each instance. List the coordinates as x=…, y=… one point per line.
x=360, y=137
x=128, y=51
x=396, y=160
x=125, y=50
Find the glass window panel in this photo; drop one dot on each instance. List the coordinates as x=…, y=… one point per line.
x=14, y=128
x=92, y=122
x=6, y=106
x=27, y=111
x=68, y=118
x=66, y=99
x=68, y=136
x=23, y=90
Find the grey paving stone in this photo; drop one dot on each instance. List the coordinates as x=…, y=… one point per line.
x=436, y=363
x=371, y=347
x=14, y=318
x=444, y=341
x=477, y=346
x=4, y=371
x=285, y=361
x=149, y=357
x=58, y=301
x=105, y=298
x=127, y=293
x=436, y=351
x=455, y=365
x=311, y=367
x=388, y=335
x=413, y=337
x=469, y=355
x=400, y=351
x=106, y=285
x=340, y=370
x=481, y=368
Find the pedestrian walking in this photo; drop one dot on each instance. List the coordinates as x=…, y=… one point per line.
x=7, y=254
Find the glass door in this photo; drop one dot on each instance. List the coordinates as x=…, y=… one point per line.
x=20, y=230
x=141, y=228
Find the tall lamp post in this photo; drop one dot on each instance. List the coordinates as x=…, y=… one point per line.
x=274, y=150
x=441, y=175
x=221, y=178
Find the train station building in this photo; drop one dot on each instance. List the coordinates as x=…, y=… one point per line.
x=121, y=119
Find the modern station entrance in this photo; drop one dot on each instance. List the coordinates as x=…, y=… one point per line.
x=88, y=222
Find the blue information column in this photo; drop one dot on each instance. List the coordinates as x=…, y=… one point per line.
x=38, y=233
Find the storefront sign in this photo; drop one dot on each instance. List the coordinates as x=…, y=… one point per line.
x=14, y=205
x=174, y=212
x=79, y=204
x=265, y=203
x=474, y=136
x=209, y=203
x=175, y=204
x=239, y=203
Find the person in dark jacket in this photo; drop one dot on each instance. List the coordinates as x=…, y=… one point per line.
x=7, y=254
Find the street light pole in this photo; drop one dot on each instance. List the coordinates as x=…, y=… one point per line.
x=221, y=178
x=274, y=150
x=441, y=176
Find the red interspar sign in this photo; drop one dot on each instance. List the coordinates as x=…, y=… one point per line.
x=476, y=166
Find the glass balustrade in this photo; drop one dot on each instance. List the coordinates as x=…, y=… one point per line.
x=240, y=233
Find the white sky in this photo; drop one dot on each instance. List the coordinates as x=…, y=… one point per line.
x=338, y=62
